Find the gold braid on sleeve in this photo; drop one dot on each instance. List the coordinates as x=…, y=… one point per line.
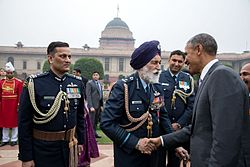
x=45, y=117
x=141, y=119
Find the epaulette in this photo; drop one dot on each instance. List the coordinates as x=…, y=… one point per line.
x=163, y=71
x=124, y=80
x=73, y=76
x=34, y=76
x=128, y=79
x=186, y=73
x=38, y=75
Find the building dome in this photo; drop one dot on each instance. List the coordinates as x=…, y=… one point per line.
x=117, y=35
x=117, y=23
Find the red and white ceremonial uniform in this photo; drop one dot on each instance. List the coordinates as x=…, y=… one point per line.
x=10, y=91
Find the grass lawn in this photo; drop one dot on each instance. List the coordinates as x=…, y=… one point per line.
x=104, y=139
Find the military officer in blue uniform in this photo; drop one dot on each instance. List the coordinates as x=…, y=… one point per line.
x=179, y=97
x=51, y=116
x=135, y=110
x=245, y=76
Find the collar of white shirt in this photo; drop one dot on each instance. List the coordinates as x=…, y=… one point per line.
x=207, y=67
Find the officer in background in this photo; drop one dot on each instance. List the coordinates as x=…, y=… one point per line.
x=179, y=97
x=77, y=72
x=51, y=114
x=135, y=111
x=245, y=76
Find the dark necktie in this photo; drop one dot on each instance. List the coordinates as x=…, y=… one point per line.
x=175, y=79
x=99, y=88
x=148, y=92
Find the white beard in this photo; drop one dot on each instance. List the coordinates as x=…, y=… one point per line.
x=149, y=76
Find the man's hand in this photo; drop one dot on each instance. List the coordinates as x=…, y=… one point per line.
x=182, y=153
x=145, y=146
x=156, y=141
x=92, y=109
x=28, y=164
x=176, y=126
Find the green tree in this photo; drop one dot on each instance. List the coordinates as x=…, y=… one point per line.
x=46, y=66
x=88, y=66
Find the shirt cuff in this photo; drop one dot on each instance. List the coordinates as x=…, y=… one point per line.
x=162, y=142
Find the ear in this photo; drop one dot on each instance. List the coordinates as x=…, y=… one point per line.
x=50, y=59
x=199, y=48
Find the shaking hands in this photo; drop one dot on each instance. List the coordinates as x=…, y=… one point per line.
x=147, y=146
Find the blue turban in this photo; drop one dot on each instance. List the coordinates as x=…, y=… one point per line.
x=144, y=53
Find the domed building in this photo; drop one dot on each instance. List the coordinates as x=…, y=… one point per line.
x=117, y=35
x=116, y=47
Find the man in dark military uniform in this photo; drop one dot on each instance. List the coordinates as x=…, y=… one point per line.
x=179, y=97
x=135, y=111
x=78, y=72
x=245, y=76
x=51, y=116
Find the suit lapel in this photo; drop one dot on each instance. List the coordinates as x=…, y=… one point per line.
x=214, y=66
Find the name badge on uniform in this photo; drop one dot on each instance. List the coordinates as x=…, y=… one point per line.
x=165, y=84
x=136, y=102
x=73, y=93
x=49, y=97
x=184, y=85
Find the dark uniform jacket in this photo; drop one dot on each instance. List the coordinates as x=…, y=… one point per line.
x=180, y=112
x=245, y=156
x=220, y=125
x=46, y=87
x=114, y=116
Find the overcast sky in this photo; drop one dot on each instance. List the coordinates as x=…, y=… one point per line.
x=172, y=22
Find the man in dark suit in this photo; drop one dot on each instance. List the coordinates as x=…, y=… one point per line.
x=135, y=111
x=220, y=114
x=94, y=98
x=179, y=97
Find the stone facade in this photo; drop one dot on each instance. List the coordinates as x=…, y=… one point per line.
x=116, y=47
